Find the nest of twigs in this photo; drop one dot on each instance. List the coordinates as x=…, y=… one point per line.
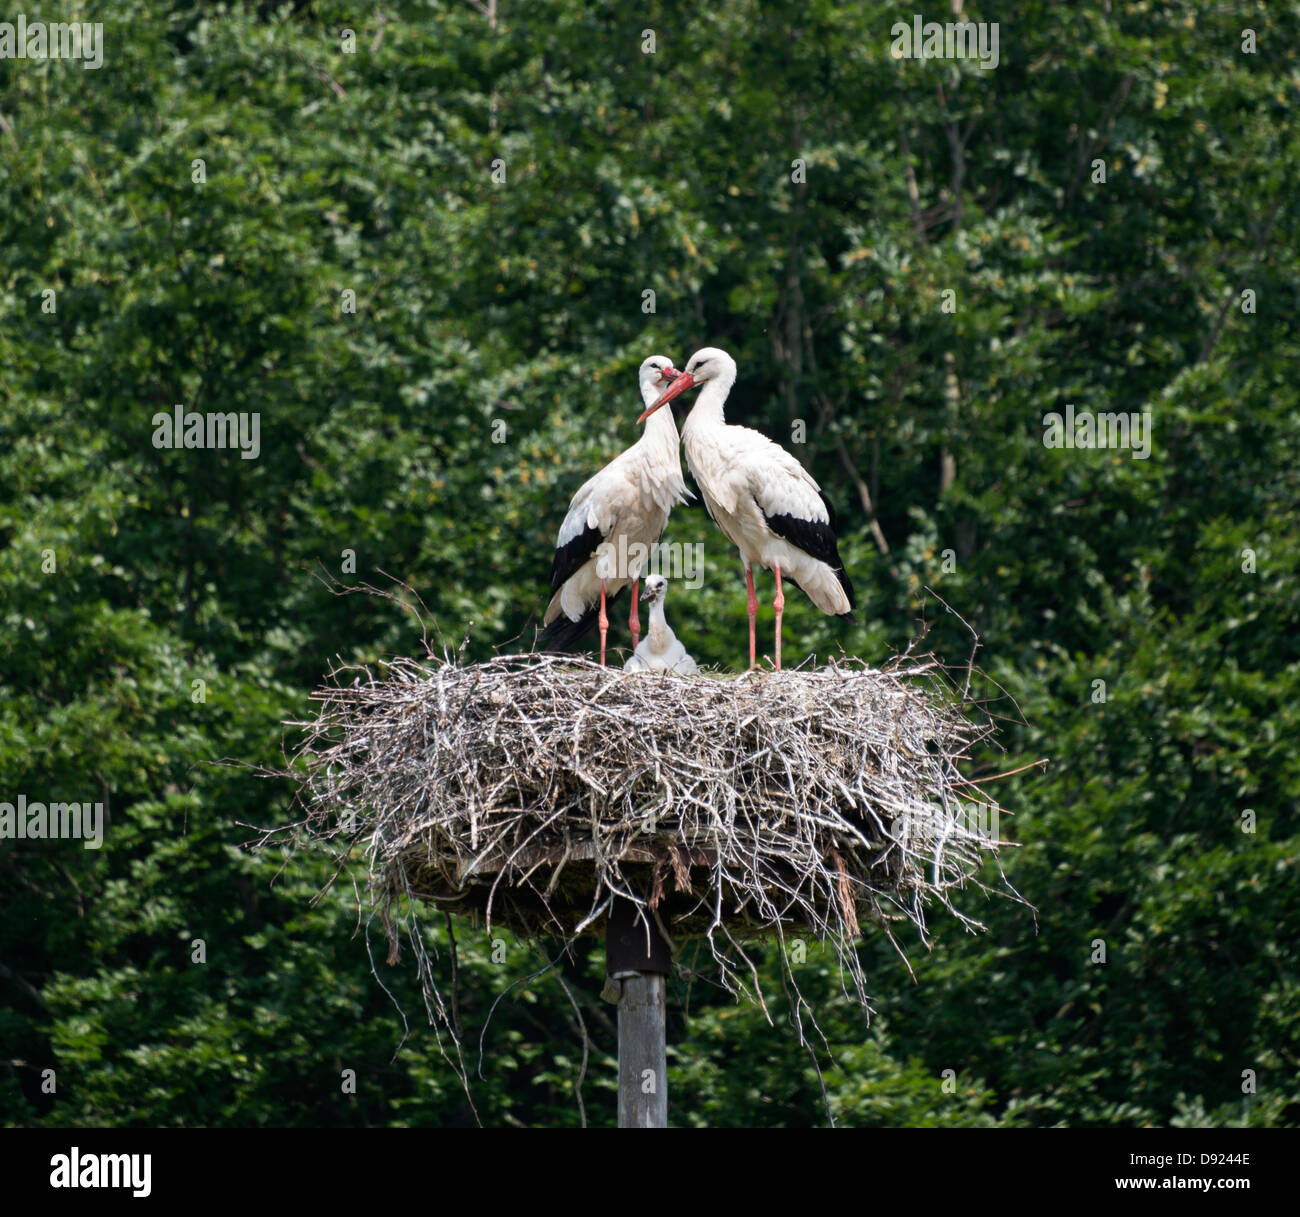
x=529, y=791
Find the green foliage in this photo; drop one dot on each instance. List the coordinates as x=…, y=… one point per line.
x=1175, y=580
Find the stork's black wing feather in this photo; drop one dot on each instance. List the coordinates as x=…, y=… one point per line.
x=573, y=554
x=816, y=538
x=562, y=634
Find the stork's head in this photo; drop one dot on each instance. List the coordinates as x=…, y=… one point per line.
x=656, y=587
x=656, y=372
x=708, y=363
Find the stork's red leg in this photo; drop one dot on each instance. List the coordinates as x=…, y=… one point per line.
x=779, y=605
x=603, y=622
x=633, y=619
x=753, y=612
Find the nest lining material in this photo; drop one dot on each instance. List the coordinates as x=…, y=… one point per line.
x=529, y=790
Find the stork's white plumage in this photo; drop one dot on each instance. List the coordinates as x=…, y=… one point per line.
x=763, y=499
x=613, y=521
x=660, y=651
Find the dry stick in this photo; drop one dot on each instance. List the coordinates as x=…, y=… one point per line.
x=455, y=973
x=523, y=980
x=977, y=782
x=422, y=970
x=796, y=1005
x=586, y=1050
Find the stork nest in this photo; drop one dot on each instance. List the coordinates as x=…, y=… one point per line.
x=531, y=790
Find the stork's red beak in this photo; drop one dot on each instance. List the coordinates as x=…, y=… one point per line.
x=683, y=382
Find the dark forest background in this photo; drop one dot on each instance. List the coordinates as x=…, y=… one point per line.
x=1165, y=824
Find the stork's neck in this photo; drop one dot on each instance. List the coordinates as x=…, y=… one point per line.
x=659, y=633
x=707, y=411
x=660, y=427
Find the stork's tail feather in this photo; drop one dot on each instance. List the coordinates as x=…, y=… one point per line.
x=563, y=634
x=843, y=576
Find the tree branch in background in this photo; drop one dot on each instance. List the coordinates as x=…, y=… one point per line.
x=909, y=176
x=864, y=494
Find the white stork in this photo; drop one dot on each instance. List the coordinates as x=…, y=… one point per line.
x=613, y=522
x=660, y=651
x=764, y=500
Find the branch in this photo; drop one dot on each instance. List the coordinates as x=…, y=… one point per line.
x=864, y=495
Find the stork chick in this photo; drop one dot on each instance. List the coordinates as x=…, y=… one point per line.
x=659, y=651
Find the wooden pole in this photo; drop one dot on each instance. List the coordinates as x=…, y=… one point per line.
x=637, y=965
x=642, y=1057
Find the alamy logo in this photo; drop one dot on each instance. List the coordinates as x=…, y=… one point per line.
x=671, y=559
x=26, y=821
x=923, y=827
x=76, y=1169
x=82, y=40
x=949, y=40
x=190, y=429
x=1088, y=430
